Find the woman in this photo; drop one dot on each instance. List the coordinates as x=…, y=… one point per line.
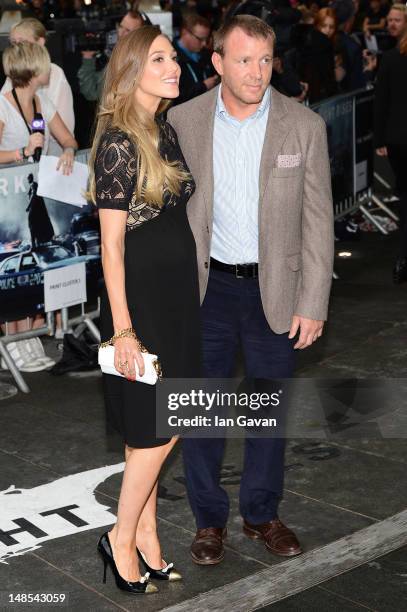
x=316, y=58
x=375, y=19
x=59, y=92
x=28, y=66
x=141, y=184
x=58, y=89
x=390, y=134
x=326, y=22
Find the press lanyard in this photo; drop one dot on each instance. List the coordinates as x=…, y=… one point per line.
x=13, y=91
x=192, y=71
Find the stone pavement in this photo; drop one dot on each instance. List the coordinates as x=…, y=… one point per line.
x=54, y=450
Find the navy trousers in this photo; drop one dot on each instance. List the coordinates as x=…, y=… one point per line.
x=233, y=316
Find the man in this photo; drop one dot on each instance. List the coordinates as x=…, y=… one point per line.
x=262, y=217
x=90, y=78
x=197, y=73
x=396, y=22
x=348, y=47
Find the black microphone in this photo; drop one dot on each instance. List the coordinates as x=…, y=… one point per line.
x=38, y=126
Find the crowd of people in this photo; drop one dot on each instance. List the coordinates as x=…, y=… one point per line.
x=323, y=48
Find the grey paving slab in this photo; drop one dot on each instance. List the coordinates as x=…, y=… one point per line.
x=381, y=356
x=340, y=334
x=392, y=449
x=352, y=318
x=360, y=483
x=78, y=557
x=22, y=473
x=380, y=584
x=313, y=600
x=295, y=575
x=69, y=397
x=29, y=574
x=53, y=440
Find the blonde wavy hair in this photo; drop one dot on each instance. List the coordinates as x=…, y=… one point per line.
x=118, y=108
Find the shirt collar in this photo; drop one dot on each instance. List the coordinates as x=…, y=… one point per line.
x=190, y=54
x=261, y=109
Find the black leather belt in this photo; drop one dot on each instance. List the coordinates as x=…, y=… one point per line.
x=249, y=270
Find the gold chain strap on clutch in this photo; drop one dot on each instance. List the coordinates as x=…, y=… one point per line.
x=131, y=333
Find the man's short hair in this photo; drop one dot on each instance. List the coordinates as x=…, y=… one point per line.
x=23, y=61
x=397, y=6
x=252, y=26
x=190, y=20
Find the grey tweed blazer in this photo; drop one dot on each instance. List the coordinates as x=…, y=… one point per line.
x=296, y=240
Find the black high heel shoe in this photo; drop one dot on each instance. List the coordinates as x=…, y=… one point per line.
x=166, y=573
x=136, y=588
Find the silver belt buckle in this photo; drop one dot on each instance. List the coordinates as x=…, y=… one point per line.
x=237, y=273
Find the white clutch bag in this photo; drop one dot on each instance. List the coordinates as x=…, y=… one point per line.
x=152, y=366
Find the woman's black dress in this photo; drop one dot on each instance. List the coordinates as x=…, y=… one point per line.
x=161, y=280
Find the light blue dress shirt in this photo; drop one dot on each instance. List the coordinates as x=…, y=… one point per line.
x=237, y=148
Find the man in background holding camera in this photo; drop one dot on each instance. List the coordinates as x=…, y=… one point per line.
x=197, y=72
x=90, y=78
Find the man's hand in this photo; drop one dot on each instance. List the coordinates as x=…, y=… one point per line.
x=310, y=330
x=382, y=151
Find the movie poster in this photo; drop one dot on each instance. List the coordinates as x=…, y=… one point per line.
x=338, y=115
x=364, y=150
x=38, y=234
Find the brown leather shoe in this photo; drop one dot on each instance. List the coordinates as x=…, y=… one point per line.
x=278, y=538
x=207, y=547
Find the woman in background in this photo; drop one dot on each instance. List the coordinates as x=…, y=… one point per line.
x=59, y=92
x=316, y=57
x=28, y=66
x=58, y=89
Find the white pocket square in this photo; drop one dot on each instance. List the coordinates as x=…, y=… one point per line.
x=289, y=161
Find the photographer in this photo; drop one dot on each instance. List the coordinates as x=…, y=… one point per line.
x=197, y=72
x=58, y=90
x=90, y=78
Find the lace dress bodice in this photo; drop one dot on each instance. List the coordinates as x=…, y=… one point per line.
x=116, y=167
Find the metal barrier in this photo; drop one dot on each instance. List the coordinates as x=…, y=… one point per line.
x=72, y=228
x=349, y=121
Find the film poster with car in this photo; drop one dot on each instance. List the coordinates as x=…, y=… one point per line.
x=39, y=235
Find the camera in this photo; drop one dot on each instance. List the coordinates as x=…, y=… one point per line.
x=98, y=35
x=276, y=13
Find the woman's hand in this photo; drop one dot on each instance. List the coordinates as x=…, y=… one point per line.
x=127, y=357
x=382, y=151
x=34, y=141
x=66, y=161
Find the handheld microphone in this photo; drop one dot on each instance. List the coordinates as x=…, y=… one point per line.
x=38, y=126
